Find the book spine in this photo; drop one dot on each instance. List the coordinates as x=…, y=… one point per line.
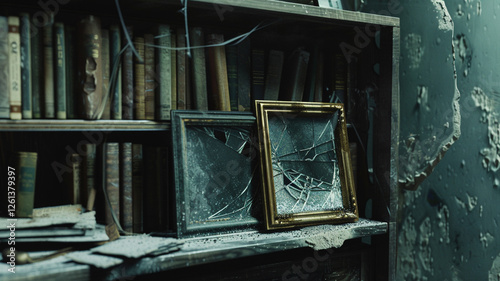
x=112, y=180
x=14, y=67
x=164, y=54
x=244, y=74
x=48, y=72
x=137, y=188
x=318, y=91
x=340, y=73
x=218, y=73
x=60, y=70
x=88, y=175
x=26, y=173
x=181, y=68
x=126, y=200
x=149, y=81
x=173, y=83
x=37, y=74
x=139, y=88
x=90, y=68
x=297, y=76
x=273, y=75
x=74, y=191
x=106, y=72
x=27, y=108
x=116, y=73
x=69, y=42
x=4, y=68
x=258, y=73
x=199, y=71
x=232, y=75
x=128, y=80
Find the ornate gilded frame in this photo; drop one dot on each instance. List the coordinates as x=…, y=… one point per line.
x=294, y=175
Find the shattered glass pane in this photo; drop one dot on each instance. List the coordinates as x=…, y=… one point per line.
x=305, y=163
x=219, y=177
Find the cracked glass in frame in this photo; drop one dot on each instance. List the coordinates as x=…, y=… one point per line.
x=306, y=168
x=215, y=161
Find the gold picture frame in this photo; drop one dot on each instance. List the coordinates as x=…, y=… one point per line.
x=306, y=164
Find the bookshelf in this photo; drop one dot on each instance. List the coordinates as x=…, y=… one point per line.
x=373, y=124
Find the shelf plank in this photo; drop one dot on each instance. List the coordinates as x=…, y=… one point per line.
x=198, y=251
x=295, y=9
x=79, y=125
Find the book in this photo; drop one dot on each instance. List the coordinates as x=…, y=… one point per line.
x=139, y=88
x=126, y=186
x=25, y=33
x=112, y=181
x=106, y=73
x=149, y=79
x=340, y=72
x=4, y=69
x=90, y=67
x=198, y=67
x=294, y=81
x=26, y=164
x=14, y=67
x=244, y=74
x=155, y=179
x=116, y=72
x=128, y=79
x=318, y=89
x=312, y=71
x=88, y=172
x=217, y=73
x=181, y=68
x=164, y=53
x=232, y=75
x=60, y=70
x=258, y=73
x=74, y=191
x=174, y=72
x=69, y=42
x=273, y=75
x=48, y=72
x=137, y=188
x=37, y=76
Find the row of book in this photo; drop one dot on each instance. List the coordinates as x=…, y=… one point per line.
x=125, y=183
x=94, y=71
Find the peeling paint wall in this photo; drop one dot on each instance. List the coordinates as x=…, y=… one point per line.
x=450, y=139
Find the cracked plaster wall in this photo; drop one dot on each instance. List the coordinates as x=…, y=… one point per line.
x=448, y=226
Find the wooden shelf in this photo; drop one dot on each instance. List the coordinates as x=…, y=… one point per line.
x=82, y=125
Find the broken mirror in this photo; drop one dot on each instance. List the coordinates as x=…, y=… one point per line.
x=215, y=170
x=306, y=166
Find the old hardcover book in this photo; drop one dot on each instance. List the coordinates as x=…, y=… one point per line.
x=294, y=81
x=258, y=73
x=128, y=79
x=137, y=188
x=149, y=79
x=232, y=75
x=106, y=73
x=49, y=108
x=60, y=70
x=181, y=68
x=174, y=72
x=69, y=42
x=244, y=75
x=116, y=72
x=139, y=104
x=88, y=175
x=126, y=185
x=163, y=98
x=14, y=67
x=320, y=74
x=26, y=103
x=273, y=74
x=90, y=67
x=4, y=69
x=198, y=69
x=217, y=73
x=73, y=179
x=37, y=76
x=26, y=178
x=311, y=78
x=155, y=179
x=112, y=181
x=340, y=72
